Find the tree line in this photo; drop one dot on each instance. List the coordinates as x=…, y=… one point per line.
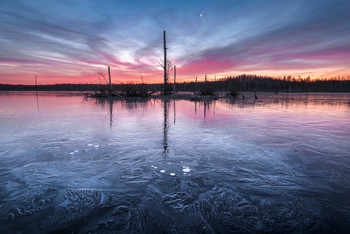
x=238, y=83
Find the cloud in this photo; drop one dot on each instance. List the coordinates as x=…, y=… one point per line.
x=309, y=41
x=78, y=37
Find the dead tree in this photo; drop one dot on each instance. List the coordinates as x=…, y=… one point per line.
x=168, y=67
x=110, y=81
x=36, y=86
x=102, y=78
x=165, y=65
x=174, y=79
x=141, y=77
x=195, y=87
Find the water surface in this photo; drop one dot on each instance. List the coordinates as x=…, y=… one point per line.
x=277, y=164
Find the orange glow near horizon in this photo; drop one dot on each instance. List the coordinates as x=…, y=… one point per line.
x=151, y=77
x=122, y=72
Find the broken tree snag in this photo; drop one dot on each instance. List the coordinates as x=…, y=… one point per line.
x=110, y=81
x=174, y=78
x=195, y=87
x=165, y=65
x=36, y=86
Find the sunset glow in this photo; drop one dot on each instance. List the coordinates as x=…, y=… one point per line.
x=70, y=41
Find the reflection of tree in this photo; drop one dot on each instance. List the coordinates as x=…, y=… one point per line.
x=110, y=113
x=36, y=93
x=206, y=107
x=37, y=99
x=174, y=112
x=165, y=128
x=195, y=107
x=136, y=104
x=103, y=103
x=287, y=101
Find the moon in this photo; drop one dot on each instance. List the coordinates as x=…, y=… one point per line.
x=200, y=15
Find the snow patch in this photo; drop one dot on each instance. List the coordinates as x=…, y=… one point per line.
x=186, y=169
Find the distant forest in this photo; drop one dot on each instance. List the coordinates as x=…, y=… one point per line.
x=228, y=84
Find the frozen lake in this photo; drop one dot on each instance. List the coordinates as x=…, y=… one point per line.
x=278, y=164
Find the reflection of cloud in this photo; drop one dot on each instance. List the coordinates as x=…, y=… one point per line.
x=76, y=38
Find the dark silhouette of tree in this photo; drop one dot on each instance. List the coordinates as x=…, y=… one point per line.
x=238, y=84
x=165, y=65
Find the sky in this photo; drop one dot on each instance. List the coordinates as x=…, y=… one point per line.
x=70, y=41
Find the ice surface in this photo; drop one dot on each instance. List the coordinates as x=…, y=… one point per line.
x=280, y=165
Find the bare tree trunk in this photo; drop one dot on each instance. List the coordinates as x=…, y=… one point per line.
x=165, y=65
x=110, y=81
x=36, y=86
x=174, y=79
x=215, y=88
x=195, y=87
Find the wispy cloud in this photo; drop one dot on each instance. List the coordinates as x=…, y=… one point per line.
x=68, y=41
